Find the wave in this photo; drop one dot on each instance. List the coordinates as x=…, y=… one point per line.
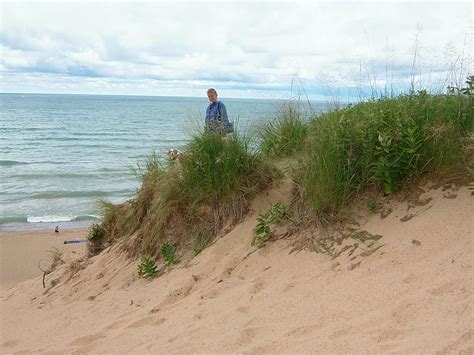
x=70, y=194
x=12, y=162
x=47, y=219
x=60, y=175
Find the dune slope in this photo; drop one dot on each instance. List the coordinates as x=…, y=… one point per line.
x=414, y=293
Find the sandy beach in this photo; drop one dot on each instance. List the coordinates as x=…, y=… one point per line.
x=21, y=251
x=412, y=293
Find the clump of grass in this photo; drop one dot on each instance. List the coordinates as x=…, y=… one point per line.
x=95, y=239
x=216, y=169
x=73, y=268
x=383, y=144
x=169, y=254
x=275, y=215
x=212, y=185
x=200, y=244
x=284, y=135
x=55, y=256
x=147, y=268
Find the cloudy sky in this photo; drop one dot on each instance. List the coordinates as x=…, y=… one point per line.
x=244, y=49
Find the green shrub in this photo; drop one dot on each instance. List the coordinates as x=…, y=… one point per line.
x=147, y=268
x=96, y=232
x=215, y=169
x=385, y=143
x=95, y=238
x=211, y=185
x=284, y=135
x=276, y=215
x=169, y=254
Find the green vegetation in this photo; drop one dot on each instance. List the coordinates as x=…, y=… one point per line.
x=95, y=239
x=169, y=254
x=200, y=244
x=275, y=215
x=380, y=145
x=284, y=135
x=147, y=268
x=211, y=186
x=373, y=206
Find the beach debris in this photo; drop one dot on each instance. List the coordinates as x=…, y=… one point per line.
x=75, y=241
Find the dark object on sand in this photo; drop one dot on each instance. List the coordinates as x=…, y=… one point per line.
x=56, y=230
x=75, y=241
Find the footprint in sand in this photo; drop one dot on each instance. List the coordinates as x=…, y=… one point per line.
x=151, y=320
x=247, y=335
x=462, y=345
x=176, y=296
x=242, y=309
x=257, y=287
x=9, y=344
x=389, y=334
x=304, y=330
x=453, y=287
x=405, y=312
x=87, y=339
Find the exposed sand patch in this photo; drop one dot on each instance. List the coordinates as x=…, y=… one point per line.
x=233, y=298
x=20, y=252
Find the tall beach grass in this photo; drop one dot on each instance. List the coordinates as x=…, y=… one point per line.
x=210, y=186
x=381, y=144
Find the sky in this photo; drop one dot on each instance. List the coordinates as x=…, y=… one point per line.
x=243, y=49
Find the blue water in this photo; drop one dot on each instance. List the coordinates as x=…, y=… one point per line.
x=59, y=154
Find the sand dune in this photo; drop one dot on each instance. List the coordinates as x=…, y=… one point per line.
x=413, y=293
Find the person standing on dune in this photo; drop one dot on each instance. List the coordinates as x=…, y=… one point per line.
x=216, y=115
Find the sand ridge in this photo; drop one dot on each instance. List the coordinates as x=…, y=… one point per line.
x=234, y=298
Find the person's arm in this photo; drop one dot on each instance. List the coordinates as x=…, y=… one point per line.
x=206, y=119
x=223, y=113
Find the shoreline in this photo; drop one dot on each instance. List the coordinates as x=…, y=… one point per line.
x=7, y=228
x=21, y=250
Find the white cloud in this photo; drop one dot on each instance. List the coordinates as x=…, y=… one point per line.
x=243, y=48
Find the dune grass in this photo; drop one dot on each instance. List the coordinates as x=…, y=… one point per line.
x=383, y=144
x=211, y=186
x=285, y=134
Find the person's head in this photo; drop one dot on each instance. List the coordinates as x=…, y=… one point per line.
x=212, y=95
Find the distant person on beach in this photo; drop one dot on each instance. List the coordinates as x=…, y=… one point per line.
x=56, y=230
x=216, y=115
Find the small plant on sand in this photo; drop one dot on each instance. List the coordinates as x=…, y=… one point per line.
x=201, y=242
x=373, y=206
x=276, y=215
x=169, y=254
x=262, y=230
x=147, y=268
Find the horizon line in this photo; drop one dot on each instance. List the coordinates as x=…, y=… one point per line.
x=138, y=95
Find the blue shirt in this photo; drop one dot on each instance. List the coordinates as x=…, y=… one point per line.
x=216, y=117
